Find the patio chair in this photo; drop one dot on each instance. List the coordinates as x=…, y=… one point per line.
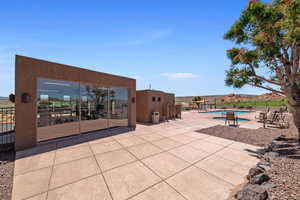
x=262, y=116
x=272, y=117
x=230, y=117
x=280, y=121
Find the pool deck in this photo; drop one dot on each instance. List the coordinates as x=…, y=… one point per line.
x=167, y=161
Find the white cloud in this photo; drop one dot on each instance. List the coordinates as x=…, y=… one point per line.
x=179, y=76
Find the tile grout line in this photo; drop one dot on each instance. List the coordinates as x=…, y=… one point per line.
x=162, y=179
x=52, y=170
x=94, y=156
x=126, y=148
x=61, y=186
x=122, y=147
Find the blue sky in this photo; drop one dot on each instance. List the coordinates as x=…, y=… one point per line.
x=175, y=46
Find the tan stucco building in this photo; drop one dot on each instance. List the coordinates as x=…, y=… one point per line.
x=149, y=101
x=54, y=100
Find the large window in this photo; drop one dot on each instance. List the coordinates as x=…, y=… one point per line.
x=118, y=107
x=58, y=102
x=66, y=108
x=94, y=108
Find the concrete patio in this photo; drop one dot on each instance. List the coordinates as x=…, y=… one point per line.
x=168, y=161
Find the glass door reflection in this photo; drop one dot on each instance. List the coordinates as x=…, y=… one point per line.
x=57, y=108
x=94, y=108
x=118, y=107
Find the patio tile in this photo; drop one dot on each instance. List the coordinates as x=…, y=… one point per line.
x=114, y=159
x=123, y=135
x=30, y=163
x=73, y=171
x=90, y=188
x=144, y=150
x=206, y=146
x=224, y=169
x=128, y=180
x=72, y=154
x=165, y=164
x=130, y=141
x=241, y=157
x=195, y=184
x=183, y=139
x=166, y=144
x=218, y=140
x=244, y=147
x=105, y=147
x=151, y=137
x=161, y=191
x=30, y=184
x=101, y=140
x=39, y=197
x=189, y=154
x=70, y=144
x=197, y=135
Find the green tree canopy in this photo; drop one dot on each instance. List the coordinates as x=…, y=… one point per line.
x=267, y=51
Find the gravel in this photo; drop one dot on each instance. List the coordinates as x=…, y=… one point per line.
x=284, y=171
x=6, y=174
x=259, y=137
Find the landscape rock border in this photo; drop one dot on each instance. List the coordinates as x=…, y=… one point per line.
x=257, y=185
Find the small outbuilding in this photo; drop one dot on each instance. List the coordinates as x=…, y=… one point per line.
x=150, y=101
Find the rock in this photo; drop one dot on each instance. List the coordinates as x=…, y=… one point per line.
x=268, y=186
x=263, y=163
x=270, y=155
x=274, y=144
x=254, y=171
x=252, y=192
x=259, y=179
x=280, y=138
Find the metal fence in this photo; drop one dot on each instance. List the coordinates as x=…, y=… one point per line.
x=7, y=119
x=7, y=129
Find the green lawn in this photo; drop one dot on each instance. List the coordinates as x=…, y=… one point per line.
x=271, y=103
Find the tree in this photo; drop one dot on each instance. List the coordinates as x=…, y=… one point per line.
x=197, y=99
x=267, y=54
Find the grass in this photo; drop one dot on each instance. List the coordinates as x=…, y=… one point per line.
x=271, y=103
x=6, y=104
x=253, y=103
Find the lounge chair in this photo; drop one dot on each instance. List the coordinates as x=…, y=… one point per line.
x=230, y=117
x=280, y=121
x=262, y=116
x=272, y=117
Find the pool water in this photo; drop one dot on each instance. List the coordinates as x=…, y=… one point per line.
x=239, y=119
x=237, y=112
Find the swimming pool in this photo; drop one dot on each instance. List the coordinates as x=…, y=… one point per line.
x=239, y=119
x=237, y=112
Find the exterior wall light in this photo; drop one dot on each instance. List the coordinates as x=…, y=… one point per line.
x=25, y=98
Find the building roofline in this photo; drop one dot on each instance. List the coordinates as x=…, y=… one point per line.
x=80, y=68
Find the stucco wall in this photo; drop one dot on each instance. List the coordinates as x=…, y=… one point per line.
x=26, y=73
x=145, y=105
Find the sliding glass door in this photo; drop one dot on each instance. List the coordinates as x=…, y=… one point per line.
x=68, y=108
x=58, y=108
x=118, y=107
x=94, y=108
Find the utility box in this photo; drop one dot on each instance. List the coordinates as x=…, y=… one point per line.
x=155, y=117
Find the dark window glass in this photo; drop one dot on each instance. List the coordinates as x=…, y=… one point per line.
x=119, y=103
x=58, y=102
x=153, y=99
x=158, y=99
x=94, y=103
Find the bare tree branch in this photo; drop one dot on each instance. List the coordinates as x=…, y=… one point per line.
x=268, y=88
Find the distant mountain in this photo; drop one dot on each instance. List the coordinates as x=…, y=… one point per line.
x=3, y=98
x=210, y=98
